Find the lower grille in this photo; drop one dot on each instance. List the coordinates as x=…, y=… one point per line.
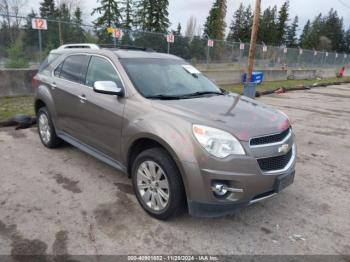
x=275, y=163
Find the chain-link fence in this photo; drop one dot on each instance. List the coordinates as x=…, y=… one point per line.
x=25, y=41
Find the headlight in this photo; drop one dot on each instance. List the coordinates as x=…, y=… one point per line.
x=217, y=142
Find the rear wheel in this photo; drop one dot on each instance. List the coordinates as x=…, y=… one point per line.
x=46, y=129
x=157, y=184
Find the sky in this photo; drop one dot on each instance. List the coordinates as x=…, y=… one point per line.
x=181, y=10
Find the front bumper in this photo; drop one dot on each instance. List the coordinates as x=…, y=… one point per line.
x=242, y=174
x=202, y=209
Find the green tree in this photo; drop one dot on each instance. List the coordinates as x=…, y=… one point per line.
x=152, y=15
x=128, y=20
x=215, y=24
x=16, y=55
x=178, y=30
x=267, y=26
x=66, y=28
x=31, y=35
x=110, y=15
x=304, y=37
x=48, y=11
x=347, y=41
x=247, y=24
x=333, y=30
x=315, y=32
x=78, y=31
x=291, y=38
x=141, y=15
x=237, y=29
x=158, y=16
x=281, y=28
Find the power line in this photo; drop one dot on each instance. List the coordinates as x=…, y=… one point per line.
x=344, y=4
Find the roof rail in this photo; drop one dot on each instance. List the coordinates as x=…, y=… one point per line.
x=126, y=47
x=84, y=46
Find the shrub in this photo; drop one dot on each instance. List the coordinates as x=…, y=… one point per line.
x=16, y=55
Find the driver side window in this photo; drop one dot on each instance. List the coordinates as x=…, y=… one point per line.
x=101, y=70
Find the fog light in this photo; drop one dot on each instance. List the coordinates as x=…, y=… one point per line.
x=220, y=189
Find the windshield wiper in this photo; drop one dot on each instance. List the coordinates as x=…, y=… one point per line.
x=202, y=93
x=163, y=97
x=185, y=96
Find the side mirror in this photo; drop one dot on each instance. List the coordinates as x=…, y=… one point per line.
x=108, y=88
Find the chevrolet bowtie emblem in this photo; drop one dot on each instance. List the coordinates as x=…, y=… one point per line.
x=283, y=149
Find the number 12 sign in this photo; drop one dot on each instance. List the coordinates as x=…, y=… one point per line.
x=40, y=24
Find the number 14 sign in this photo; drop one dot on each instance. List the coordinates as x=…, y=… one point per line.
x=40, y=24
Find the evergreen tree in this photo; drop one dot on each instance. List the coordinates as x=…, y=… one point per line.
x=215, y=25
x=333, y=30
x=304, y=37
x=267, y=26
x=66, y=28
x=47, y=9
x=152, y=15
x=178, y=30
x=316, y=30
x=31, y=35
x=237, y=25
x=291, y=38
x=347, y=41
x=281, y=28
x=141, y=16
x=109, y=16
x=78, y=31
x=128, y=15
x=50, y=38
x=247, y=24
x=158, y=20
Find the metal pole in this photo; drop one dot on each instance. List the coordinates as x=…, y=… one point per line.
x=40, y=45
x=208, y=53
x=168, y=48
x=253, y=40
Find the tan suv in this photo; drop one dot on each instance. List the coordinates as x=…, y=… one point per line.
x=183, y=141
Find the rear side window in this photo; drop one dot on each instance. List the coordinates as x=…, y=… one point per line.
x=101, y=69
x=48, y=60
x=74, y=67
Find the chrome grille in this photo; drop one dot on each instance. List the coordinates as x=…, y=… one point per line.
x=269, y=139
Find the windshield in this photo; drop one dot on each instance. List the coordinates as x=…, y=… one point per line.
x=159, y=78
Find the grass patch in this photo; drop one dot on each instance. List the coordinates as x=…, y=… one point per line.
x=10, y=106
x=265, y=86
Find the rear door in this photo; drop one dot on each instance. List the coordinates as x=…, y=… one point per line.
x=102, y=117
x=67, y=88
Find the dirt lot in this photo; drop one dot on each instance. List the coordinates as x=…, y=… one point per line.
x=65, y=202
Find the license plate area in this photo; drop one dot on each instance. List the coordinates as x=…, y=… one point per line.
x=284, y=181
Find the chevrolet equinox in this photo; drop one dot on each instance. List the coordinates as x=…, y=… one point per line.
x=183, y=141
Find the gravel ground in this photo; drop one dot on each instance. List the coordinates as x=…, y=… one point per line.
x=65, y=202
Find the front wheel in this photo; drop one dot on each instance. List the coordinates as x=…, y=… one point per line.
x=157, y=184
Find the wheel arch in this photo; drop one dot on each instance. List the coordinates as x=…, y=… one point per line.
x=143, y=143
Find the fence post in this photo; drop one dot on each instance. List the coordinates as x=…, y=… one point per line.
x=40, y=46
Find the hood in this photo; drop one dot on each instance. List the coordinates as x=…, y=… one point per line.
x=239, y=115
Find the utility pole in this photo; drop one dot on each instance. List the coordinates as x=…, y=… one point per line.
x=253, y=40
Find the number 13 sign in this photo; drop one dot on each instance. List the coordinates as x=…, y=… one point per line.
x=40, y=24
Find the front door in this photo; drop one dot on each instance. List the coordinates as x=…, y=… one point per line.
x=102, y=117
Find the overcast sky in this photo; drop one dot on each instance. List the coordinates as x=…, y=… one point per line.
x=181, y=10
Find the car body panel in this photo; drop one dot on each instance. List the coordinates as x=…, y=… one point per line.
x=107, y=126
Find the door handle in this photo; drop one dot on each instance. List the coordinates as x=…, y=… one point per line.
x=53, y=85
x=82, y=98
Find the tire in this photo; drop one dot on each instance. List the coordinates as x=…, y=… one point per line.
x=46, y=129
x=170, y=176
